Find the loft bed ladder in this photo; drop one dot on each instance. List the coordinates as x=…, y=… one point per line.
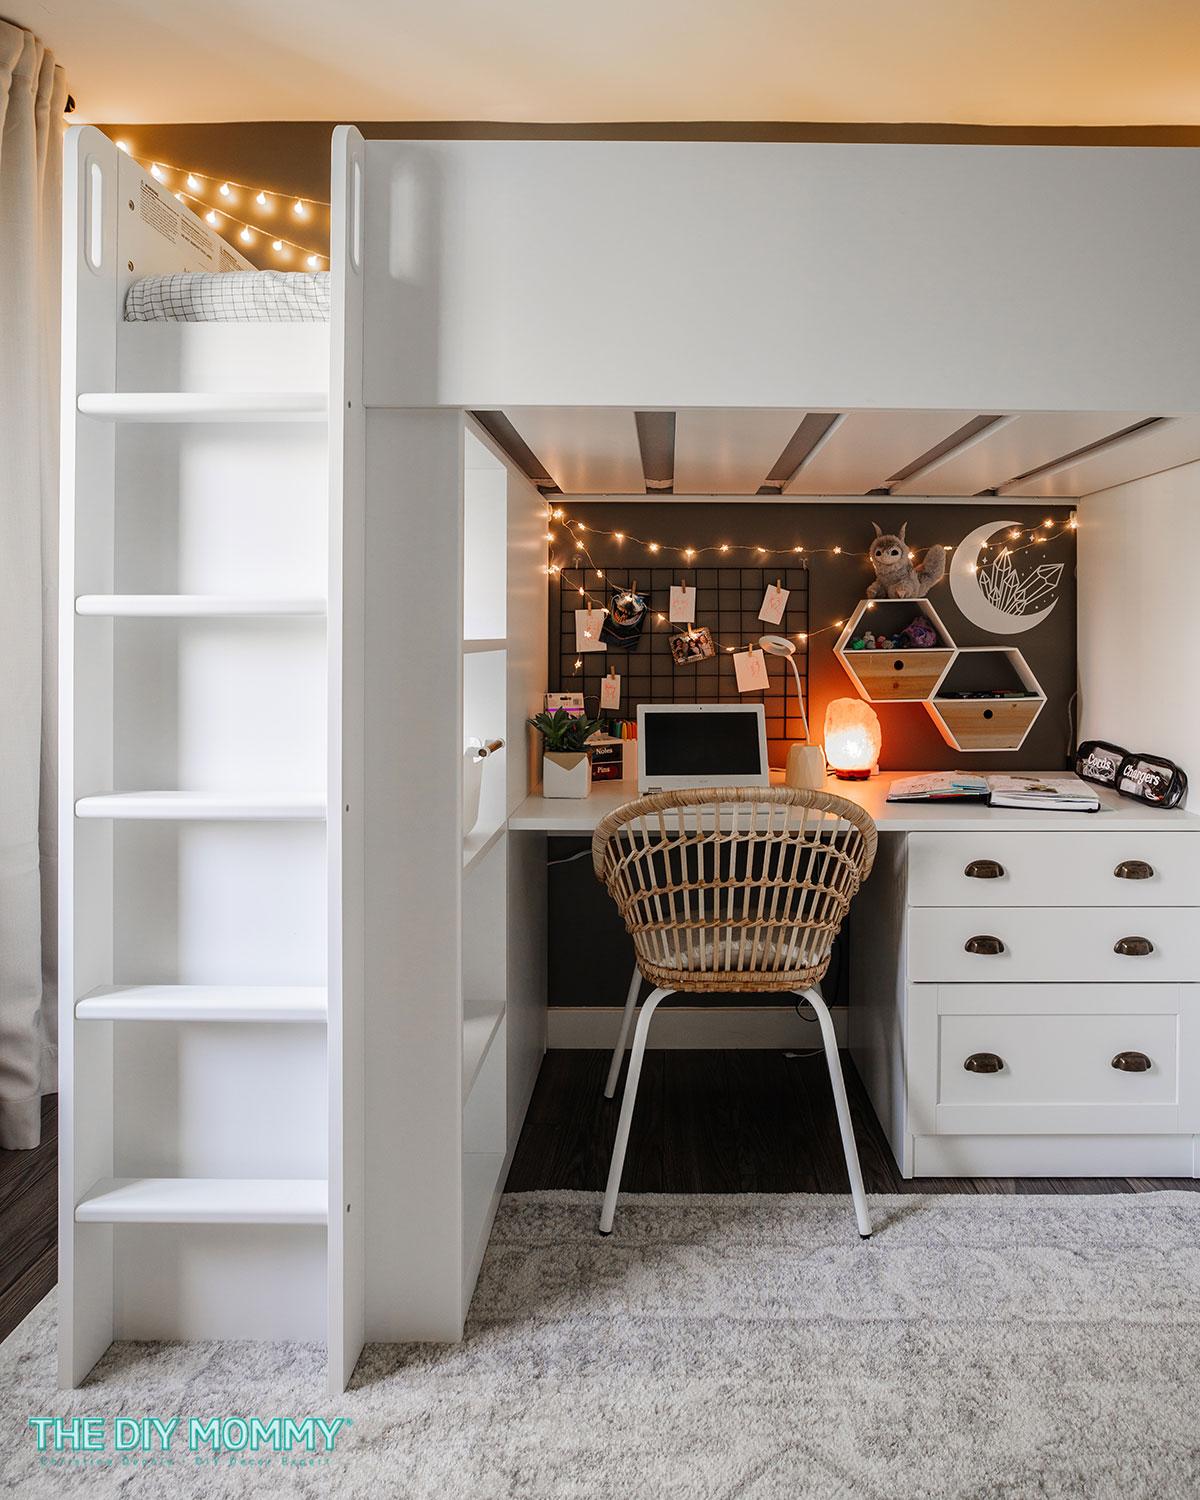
x=210, y=817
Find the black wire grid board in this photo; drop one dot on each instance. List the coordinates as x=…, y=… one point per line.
x=727, y=602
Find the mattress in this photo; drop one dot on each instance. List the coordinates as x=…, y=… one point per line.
x=230, y=297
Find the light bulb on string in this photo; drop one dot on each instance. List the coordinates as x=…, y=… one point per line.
x=157, y=172
x=261, y=199
x=212, y=218
x=122, y=146
x=314, y=262
x=225, y=190
x=277, y=246
x=299, y=209
x=246, y=236
x=193, y=183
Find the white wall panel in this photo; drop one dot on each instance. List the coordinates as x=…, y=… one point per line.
x=867, y=447
x=1137, y=546
x=676, y=274
x=584, y=450
x=729, y=452
x=1014, y=446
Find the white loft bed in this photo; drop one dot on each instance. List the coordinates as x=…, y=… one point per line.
x=301, y=1013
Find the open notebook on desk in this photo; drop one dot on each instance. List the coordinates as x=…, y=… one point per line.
x=1065, y=793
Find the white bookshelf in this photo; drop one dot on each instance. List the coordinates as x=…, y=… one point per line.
x=457, y=937
x=211, y=805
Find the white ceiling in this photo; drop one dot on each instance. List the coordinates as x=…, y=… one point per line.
x=1017, y=62
x=595, y=451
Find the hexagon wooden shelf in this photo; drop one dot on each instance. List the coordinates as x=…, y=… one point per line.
x=985, y=723
x=905, y=676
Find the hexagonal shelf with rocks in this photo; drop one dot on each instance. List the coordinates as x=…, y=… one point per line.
x=917, y=651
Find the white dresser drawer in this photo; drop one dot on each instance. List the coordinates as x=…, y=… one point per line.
x=1032, y=1059
x=1020, y=944
x=1071, y=868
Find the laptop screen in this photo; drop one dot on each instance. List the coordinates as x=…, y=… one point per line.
x=702, y=744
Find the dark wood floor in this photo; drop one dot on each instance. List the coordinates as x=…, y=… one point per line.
x=731, y=1122
x=28, y=1223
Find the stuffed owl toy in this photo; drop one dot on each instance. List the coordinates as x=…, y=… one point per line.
x=895, y=575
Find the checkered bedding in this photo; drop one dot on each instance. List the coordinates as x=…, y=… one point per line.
x=230, y=297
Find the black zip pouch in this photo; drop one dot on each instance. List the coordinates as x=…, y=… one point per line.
x=1152, y=779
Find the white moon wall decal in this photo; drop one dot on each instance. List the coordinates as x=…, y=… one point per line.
x=964, y=586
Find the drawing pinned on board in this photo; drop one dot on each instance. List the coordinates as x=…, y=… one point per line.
x=610, y=691
x=750, y=667
x=588, y=625
x=683, y=605
x=774, y=602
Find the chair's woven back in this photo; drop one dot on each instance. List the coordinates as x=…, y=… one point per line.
x=734, y=888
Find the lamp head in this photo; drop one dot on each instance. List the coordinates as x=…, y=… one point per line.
x=777, y=645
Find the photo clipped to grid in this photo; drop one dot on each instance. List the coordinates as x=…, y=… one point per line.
x=728, y=600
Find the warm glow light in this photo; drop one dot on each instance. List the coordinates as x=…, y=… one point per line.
x=800, y=636
x=558, y=515
x=549, y=536
x=620, y=535
x=157, y=172
x=653, y=546
x=724, y=546
x=1047, y=522
x=1014, y=534
x=225, y=190
x=578, y=663
x=837, y=550
x=912, y=557
x=246, y=237
x=179, y=197
x=761, y=550
x=852, y=738
x=314, y=262
x=1073, y=523
x=277, y=245
x=122, y=146
x=689, y=552
x=299, y=209
x=797, y=549
x=212, y=218
x=599, y=574
x=261, y=199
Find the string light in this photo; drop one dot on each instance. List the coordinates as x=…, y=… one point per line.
x=1037, y=537
x=228, y=189
x=247, y=232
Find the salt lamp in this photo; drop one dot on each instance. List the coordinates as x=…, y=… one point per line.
x=852, y=738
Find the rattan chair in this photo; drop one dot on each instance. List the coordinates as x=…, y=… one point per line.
x=734, y=890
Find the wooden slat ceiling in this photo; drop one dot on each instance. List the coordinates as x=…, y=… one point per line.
x=1061, y=455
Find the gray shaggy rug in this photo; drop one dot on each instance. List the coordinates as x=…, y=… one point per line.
x=721, y=1347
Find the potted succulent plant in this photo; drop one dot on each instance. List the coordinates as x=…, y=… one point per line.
x=566, y=769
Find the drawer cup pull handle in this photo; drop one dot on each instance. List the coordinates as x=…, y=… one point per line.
x=990, y=1062
x=984, y=869
x=1134, y=869
x=1133, y=947
x=983, y=944
x=1132, y=1062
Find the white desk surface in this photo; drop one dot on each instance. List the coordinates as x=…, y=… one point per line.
x=1116, y=815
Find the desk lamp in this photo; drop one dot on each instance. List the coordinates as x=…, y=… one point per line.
x=805, y=763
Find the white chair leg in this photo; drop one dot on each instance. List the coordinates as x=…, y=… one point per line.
x=627, y=1102
x=825, y=1020
x=614, y=1072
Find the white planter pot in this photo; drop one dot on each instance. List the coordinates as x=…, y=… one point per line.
x=566, y=774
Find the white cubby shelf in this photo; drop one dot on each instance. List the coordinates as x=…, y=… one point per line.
x=986, y=724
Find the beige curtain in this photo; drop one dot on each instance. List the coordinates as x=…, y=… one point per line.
x=33, y=94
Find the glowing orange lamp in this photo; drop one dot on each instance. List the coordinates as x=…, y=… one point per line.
x=852, y=738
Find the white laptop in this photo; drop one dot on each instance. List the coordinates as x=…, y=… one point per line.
x=684, y=745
